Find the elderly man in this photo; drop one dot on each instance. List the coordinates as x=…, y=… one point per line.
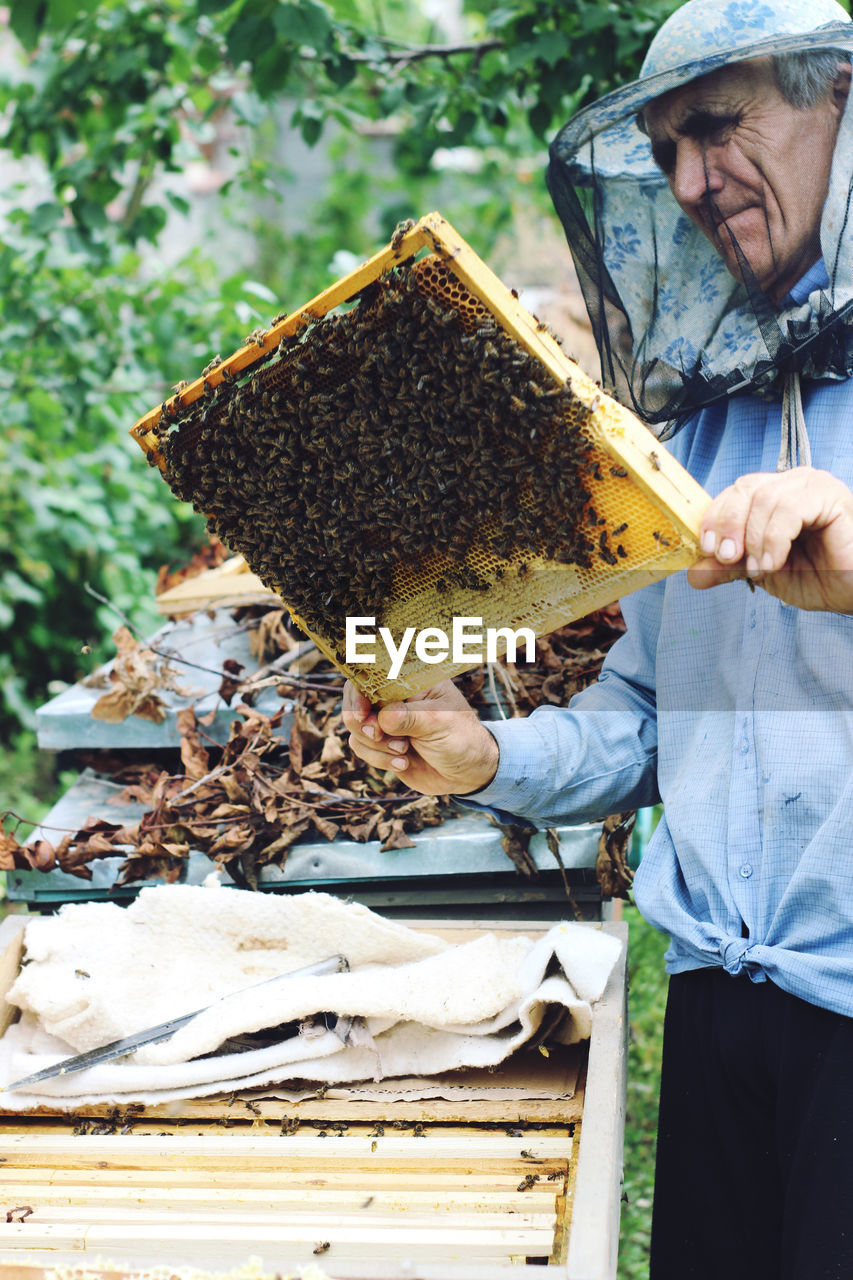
x=718, y=270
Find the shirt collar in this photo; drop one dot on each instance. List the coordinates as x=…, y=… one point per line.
x=815, y=278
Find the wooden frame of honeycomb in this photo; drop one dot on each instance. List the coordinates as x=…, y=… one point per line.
x=647, y=505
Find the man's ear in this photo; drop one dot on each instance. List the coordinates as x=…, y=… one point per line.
x=841, y=88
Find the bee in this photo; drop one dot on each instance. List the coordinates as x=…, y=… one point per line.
x=529, y=1180
x=620, y=529
x=399, y=232
x=664, y=542
x=618, y=471
x=322, y=1247
x=654, y=460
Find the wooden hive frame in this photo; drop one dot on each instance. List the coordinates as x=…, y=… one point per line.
x=452, y=1190
x=552, y=594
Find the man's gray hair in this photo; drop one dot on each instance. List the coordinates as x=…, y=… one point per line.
x=804, y=79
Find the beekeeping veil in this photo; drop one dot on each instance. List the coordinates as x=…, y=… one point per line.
x=675, y=330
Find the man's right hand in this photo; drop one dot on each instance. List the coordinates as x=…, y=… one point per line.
x=434, y=741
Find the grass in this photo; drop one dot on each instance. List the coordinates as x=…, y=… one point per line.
x=646, y=1001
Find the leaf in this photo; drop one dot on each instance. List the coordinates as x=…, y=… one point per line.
x=27, y=20
x=333, y=750
x=213, y=6
x=325, y=826
x=395, y=837
x=515, y=841
x=249, y=34
x=230, y=683
x=194, y=757
x=539, y=118
x=283, y=842
x=228, y=811
x=303, y=22
x=232, y=839
x=311, y=129
x=305, y=740
x=114, y=706
x=9, y=847
x=363, y=831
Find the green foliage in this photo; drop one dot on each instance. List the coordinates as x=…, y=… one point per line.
x=647, y=986
x=29, y=784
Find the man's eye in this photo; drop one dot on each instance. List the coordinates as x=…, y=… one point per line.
x=722, y=130
x=714, y=130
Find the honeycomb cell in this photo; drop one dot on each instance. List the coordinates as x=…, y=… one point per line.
x=408, y=459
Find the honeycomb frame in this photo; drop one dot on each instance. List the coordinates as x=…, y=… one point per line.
x=635, y=484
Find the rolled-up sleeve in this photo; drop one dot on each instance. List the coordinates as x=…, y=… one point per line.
x=596, y=756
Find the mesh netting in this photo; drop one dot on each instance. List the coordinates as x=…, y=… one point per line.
x=681, y=306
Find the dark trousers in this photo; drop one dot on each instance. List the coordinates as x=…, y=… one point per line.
x=754, y=1174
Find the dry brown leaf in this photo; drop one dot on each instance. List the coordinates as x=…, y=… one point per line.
x=230, y=683
x=394, y=836
x=9, y=847
x=194, y=757
x=120, y=703
x=333, y=750
x=208, y=557
x=325, y=826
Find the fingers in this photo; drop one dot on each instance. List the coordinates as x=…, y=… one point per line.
x=359, y=716
x=367, y=738
x=754, y=522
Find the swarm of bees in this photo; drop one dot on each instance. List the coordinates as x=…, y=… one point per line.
x=405, y=431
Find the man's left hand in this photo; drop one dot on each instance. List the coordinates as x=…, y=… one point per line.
x=791, y=533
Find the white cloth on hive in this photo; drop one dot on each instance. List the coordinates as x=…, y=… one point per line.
x=97, y=972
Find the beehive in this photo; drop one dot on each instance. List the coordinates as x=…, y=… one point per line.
x=341, y=453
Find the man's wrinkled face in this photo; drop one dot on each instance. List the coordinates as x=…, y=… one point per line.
x=748, y=168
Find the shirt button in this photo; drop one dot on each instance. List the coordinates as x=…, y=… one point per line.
x=746, y=871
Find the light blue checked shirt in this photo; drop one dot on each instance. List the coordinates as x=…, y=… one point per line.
x=737, y=712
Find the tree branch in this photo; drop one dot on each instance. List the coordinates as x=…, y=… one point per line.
x=416, y=53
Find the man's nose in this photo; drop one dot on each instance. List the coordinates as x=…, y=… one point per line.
x=694, y=176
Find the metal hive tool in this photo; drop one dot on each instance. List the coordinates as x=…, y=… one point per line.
x=300, y=449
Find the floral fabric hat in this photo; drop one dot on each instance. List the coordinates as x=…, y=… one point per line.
x=675, y=330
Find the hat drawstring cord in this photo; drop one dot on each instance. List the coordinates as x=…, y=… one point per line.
x=794, y=449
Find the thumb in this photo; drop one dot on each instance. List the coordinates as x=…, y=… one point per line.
x=406, y=719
